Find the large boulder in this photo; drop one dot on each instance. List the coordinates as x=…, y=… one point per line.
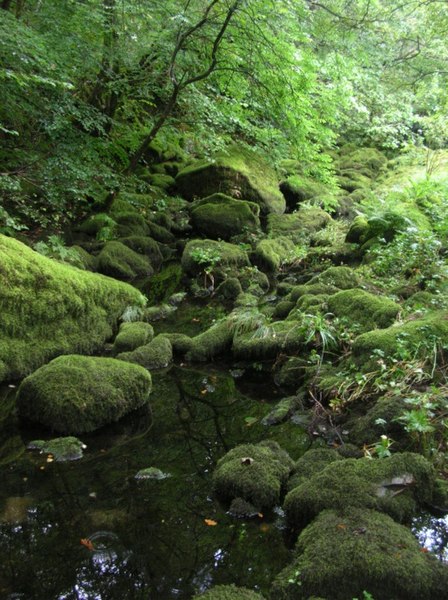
x=221, y=217
x=118, y=260
x=255, y=473
x=341, y=555
x=239, y=173
x=77, y=394
x=201, y=254
x=49, y=308
x=367, y=310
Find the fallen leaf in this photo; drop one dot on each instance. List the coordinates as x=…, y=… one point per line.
x=87, y=543
x=203, y=392
x=210, y=522
x=260, y=515
x=50, y=458
x=424, y=550
x=342, y=526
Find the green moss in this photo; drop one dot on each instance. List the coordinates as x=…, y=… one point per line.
x=281, y=336
x=226, y=255
x=158, y=354
x=63, y=449
x=312, y=462
x=130, y=223
x=418, y=336
x=342, y=554
x=270, y=254
x=146, y=246
x=283, y=308
x=343, y=278
x=180, y=342
x=298, y=188
x=282, y=411
x=291, y=373
x=364, y=483
x=255, y=473
x=93, y=224
x=311, y=289
x=160, y=233
x=358, y=230
x=132, y=336
x=86, y=260
x=117, y=260
x=161, y=180
x=229, y=289
x=380, y=419
x=361, y=158
x=76, y=394
x=212, y=342
x=352, y=179
x=49, y=308
x=308, y=301
x=228, y=592
x=364, y=309
x=159, y=287
x=223, y=217
x=297, y=225
x=240, y=173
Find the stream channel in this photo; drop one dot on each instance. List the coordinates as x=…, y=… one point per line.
x=151, y=539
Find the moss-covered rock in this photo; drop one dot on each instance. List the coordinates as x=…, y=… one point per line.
x=342, y=554
x=95, y=223
x=49, y=308
x=312, y=462
x=62, y=449
x=119, y=261
x=298, y=225
x=76, y=394
x=343, y=278
x=281, y=336
x=297, y=188
x=229, y=289
x=180, y=342
x=309, y=301
x=352, y=180
x=221, y=217
x=240, y=173
x=132, y=336
x=311, y=289
x=211, y=343
x=364, y=483
x=416, y=336
x=283, y=308
x=146, y=246
x=161, y=286
x=270, y=254
x=380, y=419
x=198, y=254
x=256, y=473
x=380, y=227
x=158, y=354
x=282, y=411
x=228, y=592
x=130, y=223
x=86, y=260
x=292, y=373
x=365, y=309
x=360, y=158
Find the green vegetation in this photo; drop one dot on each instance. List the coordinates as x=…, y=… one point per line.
x=77, y=394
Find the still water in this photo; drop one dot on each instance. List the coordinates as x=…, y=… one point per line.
x=88, y=529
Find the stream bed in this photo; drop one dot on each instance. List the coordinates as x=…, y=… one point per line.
x=88, y=529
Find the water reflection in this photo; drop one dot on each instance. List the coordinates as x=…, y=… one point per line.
x=149, y=538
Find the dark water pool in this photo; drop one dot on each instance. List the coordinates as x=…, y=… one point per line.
x=151, y=539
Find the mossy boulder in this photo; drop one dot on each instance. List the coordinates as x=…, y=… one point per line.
x=211, y=343
x=363, y=308
x=283, y=308
x=94, y=224
x=282, y=411
x=363, y=158
x=380, y=227
x=146, y=246
x=343, y=278
x=132, y=336
x=162, y=285
x=160, y=233
x=62, y=449
x=131, y=223
x=256, y=473
x=281, y=336
x=49, y=308
x=198, y=254
x=77, y=394
x=221, y=217
x=291, y=373
x=380, y=419
x=364, y=483
x=240, y=173
x=158, y=354
x=229, y=289
x=119, y=261
x=342, y=554
x=352, y=180
x=180, y=342
x=298, y=188
x=416, y=336
x=298, y=225
x=312, y=462
x=271, y=254
x=311, y=289
x=228, y=592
